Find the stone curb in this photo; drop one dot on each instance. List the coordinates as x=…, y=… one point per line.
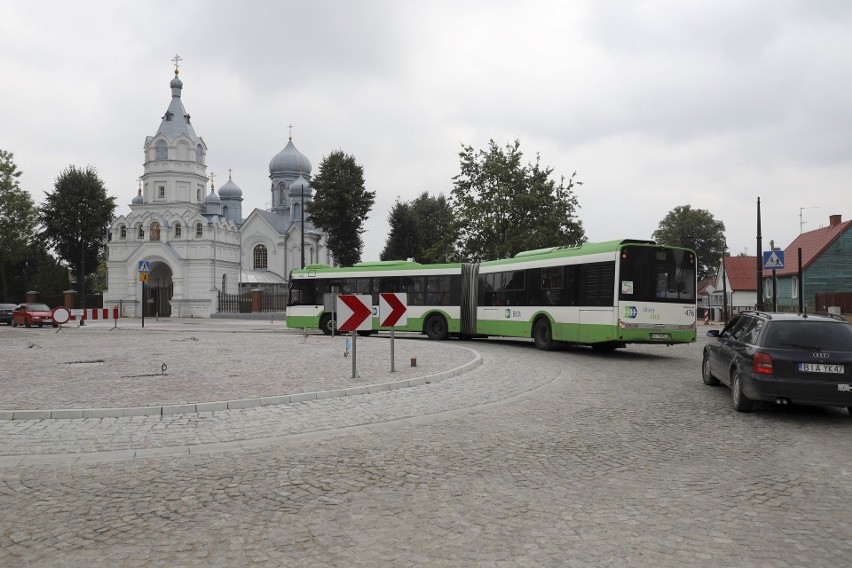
x=193, y=408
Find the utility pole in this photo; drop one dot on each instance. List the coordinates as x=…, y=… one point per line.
x=759, y=261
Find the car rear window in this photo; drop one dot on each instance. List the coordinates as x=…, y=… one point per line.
x=824, y=335
x=39, y=308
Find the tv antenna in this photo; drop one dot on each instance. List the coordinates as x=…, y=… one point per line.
x=801, y=221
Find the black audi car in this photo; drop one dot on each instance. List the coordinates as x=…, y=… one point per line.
x=782, y=358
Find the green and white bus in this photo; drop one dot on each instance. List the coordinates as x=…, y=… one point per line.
x=605, y=295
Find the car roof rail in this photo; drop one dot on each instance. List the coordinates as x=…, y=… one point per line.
x=767, y=315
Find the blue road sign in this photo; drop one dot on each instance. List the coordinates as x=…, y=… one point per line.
x=773, y=259
x=144, y=266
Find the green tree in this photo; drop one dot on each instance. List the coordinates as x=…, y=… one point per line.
x=422, y=229
x=695, y=229
x=18, y=218
x=75, y=219
x=503, y=207
x=340, y=205
x=403, y=239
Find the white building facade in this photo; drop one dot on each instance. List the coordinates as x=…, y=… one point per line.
x=194, y=240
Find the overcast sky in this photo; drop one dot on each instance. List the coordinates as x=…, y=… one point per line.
x=654, y=103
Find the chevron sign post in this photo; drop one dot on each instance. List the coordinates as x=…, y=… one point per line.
x=392, y=312
x=355, y=313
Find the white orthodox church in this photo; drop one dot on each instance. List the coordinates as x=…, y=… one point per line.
x=194, y=240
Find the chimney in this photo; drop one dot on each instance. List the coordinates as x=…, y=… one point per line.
x=833, y=221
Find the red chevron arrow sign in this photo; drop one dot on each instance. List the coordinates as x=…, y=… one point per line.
x=392, y=308
x=354, y=312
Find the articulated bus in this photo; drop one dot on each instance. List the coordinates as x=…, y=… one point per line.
x=605, y=295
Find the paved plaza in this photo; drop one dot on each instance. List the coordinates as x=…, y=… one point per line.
x=488, y=453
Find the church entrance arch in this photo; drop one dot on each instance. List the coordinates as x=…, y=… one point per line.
x=160, y=289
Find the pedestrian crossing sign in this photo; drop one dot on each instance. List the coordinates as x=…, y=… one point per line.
x=144, y=266
x=773, y=259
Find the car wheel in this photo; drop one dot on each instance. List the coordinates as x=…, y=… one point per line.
x=27, y=323
x=436, y=328
x=708, y=377
x=14, y=324
x=325, y=324
x=741, y=402
x=542, y=335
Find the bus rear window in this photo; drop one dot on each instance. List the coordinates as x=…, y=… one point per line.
x=657, y=275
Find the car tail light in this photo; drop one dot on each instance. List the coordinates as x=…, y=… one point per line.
x=762, y=364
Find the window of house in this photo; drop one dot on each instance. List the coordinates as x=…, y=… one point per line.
x=199, y=230
x=122, y=231
x=260, y=258
x=795, y=292
x=155, y=231
x=177, y=231
x=161, y=192
x=162, y=150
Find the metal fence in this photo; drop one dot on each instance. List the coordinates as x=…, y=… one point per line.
x=235, y=303
x=272, y=300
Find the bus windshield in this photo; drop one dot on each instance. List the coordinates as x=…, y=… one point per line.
x=654, y=274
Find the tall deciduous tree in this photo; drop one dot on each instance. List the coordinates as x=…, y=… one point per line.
x=340, y=205
x=422, y=229
x=403, y=238
x=503, y=207
x=75, y=219
x=696, y=229
x=18, y=218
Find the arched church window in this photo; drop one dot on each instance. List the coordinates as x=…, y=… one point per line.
x=141, y=234
x=155, y=231
x=198, y=195
x=199, y=154
x=225, y=211
x=282, y=195
x=260, y=257
x=122, y=232
x=199, y=230
x=177, y=231
x=162, y=150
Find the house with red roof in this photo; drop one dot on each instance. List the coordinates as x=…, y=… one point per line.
x=826, y=267
x=736, y=279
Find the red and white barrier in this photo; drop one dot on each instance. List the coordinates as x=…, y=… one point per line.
x=63, y=315
x=96, y=314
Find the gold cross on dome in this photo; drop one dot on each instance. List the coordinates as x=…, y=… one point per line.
x=212, y=179
x=290, y=126
x=177, y=59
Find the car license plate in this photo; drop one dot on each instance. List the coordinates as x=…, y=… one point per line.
x=659, y=336
x=821, y=368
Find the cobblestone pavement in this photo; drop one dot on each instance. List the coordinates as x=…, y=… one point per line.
x=566, y=458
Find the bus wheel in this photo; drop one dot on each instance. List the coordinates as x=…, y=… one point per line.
x=436, y=327
x=542, y=336
x=325, y=324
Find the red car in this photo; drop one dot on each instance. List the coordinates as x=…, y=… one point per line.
x=29, y=315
